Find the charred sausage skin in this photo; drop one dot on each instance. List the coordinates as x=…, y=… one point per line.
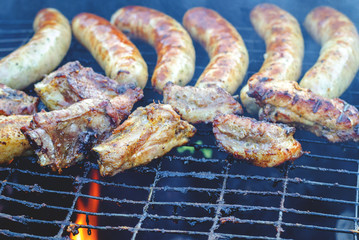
x=175, y=51
x=225, y=47
x=117, y=55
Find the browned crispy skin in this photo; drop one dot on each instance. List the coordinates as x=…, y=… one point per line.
x=12, y=142
x=261, y=143
x=175, y=51
x=117, y=55
x=284, y=47
x=63, y=137
x=72, y=83
x=228, y=53
x=200, y=104
x=338, y=62
x=286, y=102
x=148, y=133
x=15, y=102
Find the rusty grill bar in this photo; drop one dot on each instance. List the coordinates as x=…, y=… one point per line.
x=188, y=193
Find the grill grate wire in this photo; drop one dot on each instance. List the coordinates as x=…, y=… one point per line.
x=288, y=185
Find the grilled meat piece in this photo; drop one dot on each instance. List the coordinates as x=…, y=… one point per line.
x=12, y=142
x=72, y=83
x=63, y=137
x=200, y=104
x=148, y=133
x=261, y=143
x=15, y=102
x=286, y=102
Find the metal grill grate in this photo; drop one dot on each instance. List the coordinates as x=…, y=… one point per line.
x=194, y=192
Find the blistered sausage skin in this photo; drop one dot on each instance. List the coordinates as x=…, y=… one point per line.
x=284, y=48
x=42, y=54
x=175, y=52
x=339, y=56
x=226, y=49
x=117, y=55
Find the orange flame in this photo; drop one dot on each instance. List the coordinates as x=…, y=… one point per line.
x=91, y=206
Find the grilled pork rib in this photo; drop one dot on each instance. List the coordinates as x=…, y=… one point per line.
x=261, y=143
x=287, y=102
x=148, y=133
x=63, y=137
x=15, y=102
x=200, y=104
x=72, y=83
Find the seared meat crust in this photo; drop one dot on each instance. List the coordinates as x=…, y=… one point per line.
x=286, y=102
x=261, y=143
x=15, y=102
x=200, y=104
x=72, y=83
x=148, y=133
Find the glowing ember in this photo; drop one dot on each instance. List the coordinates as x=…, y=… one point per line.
x=91, y=206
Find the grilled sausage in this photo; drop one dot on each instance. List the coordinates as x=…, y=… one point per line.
x=176, y=56
x=339, y=56
x=42, y=54
x=226, y=49
x=285, y=47
x=117, y=55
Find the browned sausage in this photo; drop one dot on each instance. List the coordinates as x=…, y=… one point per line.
x=226, y=49
x=285, y=47
x=339, y=56
x=42, y=54
x=117, y=55
x=176, y=56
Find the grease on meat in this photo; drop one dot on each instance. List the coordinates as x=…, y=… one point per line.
x=148, y=133
x=73, y=83
x=261, y=143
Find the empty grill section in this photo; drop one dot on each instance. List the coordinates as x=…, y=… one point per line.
x=196, y=191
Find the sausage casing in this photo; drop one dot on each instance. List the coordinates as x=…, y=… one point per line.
x=176, y=55
x=338, y=62
x=42, y=54
x=117, y=55
x=226, y=49
x=284, y=47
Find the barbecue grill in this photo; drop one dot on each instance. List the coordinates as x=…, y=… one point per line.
x=195, y=191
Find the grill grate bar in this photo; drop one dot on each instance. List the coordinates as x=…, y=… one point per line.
x=220, y=202
x=278, y=225
x=356, y=208
x=71, y=210
x=149, y=199
x=326, y=169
